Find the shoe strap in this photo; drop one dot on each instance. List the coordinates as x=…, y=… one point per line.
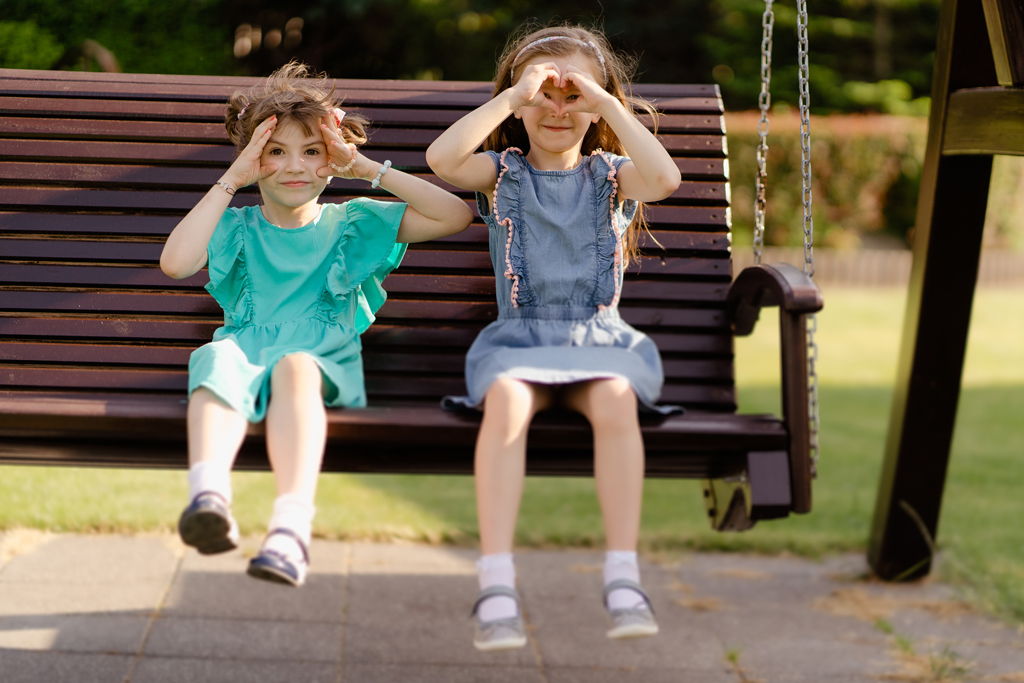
x=493, y=592
x=285, y=531
x=220, y=497
x=626, y=584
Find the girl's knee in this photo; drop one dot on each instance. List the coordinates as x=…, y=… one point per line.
x=296, y=370
x=611, y=402
x=508, y=390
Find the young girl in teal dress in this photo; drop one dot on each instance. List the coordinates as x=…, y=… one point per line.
x=299, y=282
x=565, y=165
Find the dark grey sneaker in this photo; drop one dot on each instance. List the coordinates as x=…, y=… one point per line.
x=207, y=525
x=630, y=622
x=498, y=634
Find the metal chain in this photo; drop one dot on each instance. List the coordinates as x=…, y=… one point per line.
x=764, y=103
x=808, y=224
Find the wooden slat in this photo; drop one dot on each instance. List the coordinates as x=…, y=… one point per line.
x=121, y=176
x=711, y=217
x=698, y=168
x=196, y=304
x=381, y=334
x=421, y=259
x=985, y=121
x=379, y=117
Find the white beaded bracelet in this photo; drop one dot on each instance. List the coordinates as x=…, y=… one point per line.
x=227, y=188
x=380, y=174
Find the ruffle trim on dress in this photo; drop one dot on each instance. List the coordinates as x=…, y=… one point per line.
x=365, y=254
x=514, y=263
x=227, y=270
x=613, y=195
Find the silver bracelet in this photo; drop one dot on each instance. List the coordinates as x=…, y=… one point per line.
x=227, y=188
x=380, y=174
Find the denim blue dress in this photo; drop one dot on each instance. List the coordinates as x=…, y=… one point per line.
x=312, y=289
x=555, y=241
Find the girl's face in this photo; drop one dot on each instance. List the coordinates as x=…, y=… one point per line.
x=551, y=128
x=297, y=155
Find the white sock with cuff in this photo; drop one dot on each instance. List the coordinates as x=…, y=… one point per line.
x=209, y=475
x=622, y=564
x=496, y=569
x=295, y=513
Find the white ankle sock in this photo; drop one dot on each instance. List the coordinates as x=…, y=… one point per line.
x=209, y=476
x=496, y=570
x=622, y=564
x=295, y=513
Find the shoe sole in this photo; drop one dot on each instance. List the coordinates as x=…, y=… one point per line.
x=505, y=644
x=207, y=532
x=633, y=631
x=273, y=575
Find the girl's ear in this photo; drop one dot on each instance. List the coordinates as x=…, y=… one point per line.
x=595, y=118
x=517, y=112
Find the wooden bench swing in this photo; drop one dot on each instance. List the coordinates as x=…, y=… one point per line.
x=95, y=170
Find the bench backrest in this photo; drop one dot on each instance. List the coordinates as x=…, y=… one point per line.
x=95, y=170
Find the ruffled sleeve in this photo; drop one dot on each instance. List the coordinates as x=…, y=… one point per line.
x=605, y=167
x=366, y=252
x=226, y=267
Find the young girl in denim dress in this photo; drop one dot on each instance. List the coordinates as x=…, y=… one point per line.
x=299, y=281
x=560, y=184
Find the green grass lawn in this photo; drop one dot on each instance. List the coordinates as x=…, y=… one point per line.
x=858, y=337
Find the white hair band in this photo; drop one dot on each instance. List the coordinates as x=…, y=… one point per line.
x=548, y=39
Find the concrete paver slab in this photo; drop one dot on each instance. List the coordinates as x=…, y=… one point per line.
x=178, y=670
x=23, y=666
x=244, y=639
x=146, y=609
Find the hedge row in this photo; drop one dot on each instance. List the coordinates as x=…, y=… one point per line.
x=866, y=175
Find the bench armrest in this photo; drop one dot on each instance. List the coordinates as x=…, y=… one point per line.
x=797, y=296
x=778, y=285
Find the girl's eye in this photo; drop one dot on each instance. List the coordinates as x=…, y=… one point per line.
x=276, y=151
x=572, y=98
x=547, y=96
x=312, y=152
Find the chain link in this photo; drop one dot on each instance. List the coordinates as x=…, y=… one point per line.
x=808, y=224
x=764, y=103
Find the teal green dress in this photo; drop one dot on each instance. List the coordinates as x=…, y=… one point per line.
x=312, y=289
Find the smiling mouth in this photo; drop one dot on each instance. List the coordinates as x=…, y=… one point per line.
x=295, y=183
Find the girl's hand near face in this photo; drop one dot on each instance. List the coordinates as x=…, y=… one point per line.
x=343, y=158
x=528, y=91
x=589, y=97
x=249, y=166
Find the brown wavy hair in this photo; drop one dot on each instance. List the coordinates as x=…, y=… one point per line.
x=618, y=73
x=291, y=92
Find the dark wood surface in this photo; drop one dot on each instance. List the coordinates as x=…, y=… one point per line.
x=96, y=169
x=947, y=246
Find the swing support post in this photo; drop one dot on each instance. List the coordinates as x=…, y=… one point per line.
x=947, y=248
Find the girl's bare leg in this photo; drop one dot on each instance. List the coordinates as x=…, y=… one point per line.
x=296, y=425
x=500, y=461
x=610, y=406
x=500, y=468
x=215, y=433
x=296, y=434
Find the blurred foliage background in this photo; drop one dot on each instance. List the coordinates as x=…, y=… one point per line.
x=871, y=64
x=861, y=63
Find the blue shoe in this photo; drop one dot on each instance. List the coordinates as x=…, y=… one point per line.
x=207, y=525
x=279, y=567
